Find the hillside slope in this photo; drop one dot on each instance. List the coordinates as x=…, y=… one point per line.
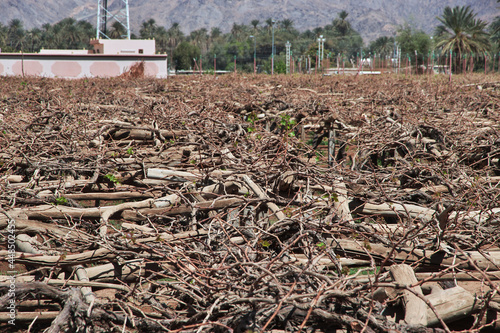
x=372, y=18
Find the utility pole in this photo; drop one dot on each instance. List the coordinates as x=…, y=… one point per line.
x=288, y=45
x=254, y=54
x=272, y=47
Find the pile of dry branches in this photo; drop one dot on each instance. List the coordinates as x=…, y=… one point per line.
x=250, y=204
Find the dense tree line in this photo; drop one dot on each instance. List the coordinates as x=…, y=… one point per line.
x=460, y=32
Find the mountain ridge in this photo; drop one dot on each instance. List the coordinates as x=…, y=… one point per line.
x=371, y=18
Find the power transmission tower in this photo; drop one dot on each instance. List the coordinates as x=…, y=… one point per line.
x=104, y=15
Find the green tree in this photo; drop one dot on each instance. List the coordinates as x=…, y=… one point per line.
x=254, y=24
x=4, y=33
x=383, y=46
x=184, y=55
x=15, y=34
x=412, y=40
x=341, y=24
x=200, y=39
x=118, y=31
x=461, y=32
x=175, y=36
x=148, y=29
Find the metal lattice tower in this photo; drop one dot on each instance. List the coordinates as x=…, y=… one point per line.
x=104, y=16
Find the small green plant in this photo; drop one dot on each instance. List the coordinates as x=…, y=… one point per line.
x=265, y=243
x=130, y=151
x=321, y=245
x=112, y=179
x=61, y=200
x=252, y=118
x=286, y=122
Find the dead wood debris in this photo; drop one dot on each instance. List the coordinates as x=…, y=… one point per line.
x=199, y=204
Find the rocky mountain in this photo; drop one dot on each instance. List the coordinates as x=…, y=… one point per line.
x=372, y=18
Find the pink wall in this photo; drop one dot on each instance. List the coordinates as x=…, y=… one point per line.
x=105, y=69
x=66, y=68
x=79, y=66
x=31, y=68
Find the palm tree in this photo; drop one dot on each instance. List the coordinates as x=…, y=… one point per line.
x=117, y=30
x=255, y=23
x=161, y=38
x=287, y=25
x=341, y=24
x=15, y=34
x=3, y=34
x=383, y=46
x=461, y=32
x=199, y=38
x=175, y=36
x=34, y=39
x=148, y=29
x=238, y=32
x=495, y=29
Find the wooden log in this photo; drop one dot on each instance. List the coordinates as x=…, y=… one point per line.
x=145, y=134
x=109, y=195
x=451, y=304
x=29, y=316
x=142, y=214
x=130, y=270
x=394, y=210
x=262, y=195
x=68, y=260
x=37, y=227
x=415, y=307
x=25, y=243
x=81, y=276
x=183, y=175
x=60, y=282
x=483, y=260
x=341, y=204
x=415, y=212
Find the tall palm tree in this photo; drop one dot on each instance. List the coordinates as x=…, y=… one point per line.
x=238, y=32
x=287, y=25
x=34, y=39
x=15, y=34
x=341, y=25
x=461, y=32
x=148, y=29
x=175, y=36
x=495, y=30
x=199, y=38
x=269, y=24
x=117, y=30
x=4, y=31
x=255, y=23
x=161, y=38
x=383, y=46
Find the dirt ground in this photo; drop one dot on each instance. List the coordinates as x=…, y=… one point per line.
x=250, y=203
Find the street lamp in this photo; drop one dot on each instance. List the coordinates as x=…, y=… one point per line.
x=254, y=54
x=272, y=47
x=321, y=48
